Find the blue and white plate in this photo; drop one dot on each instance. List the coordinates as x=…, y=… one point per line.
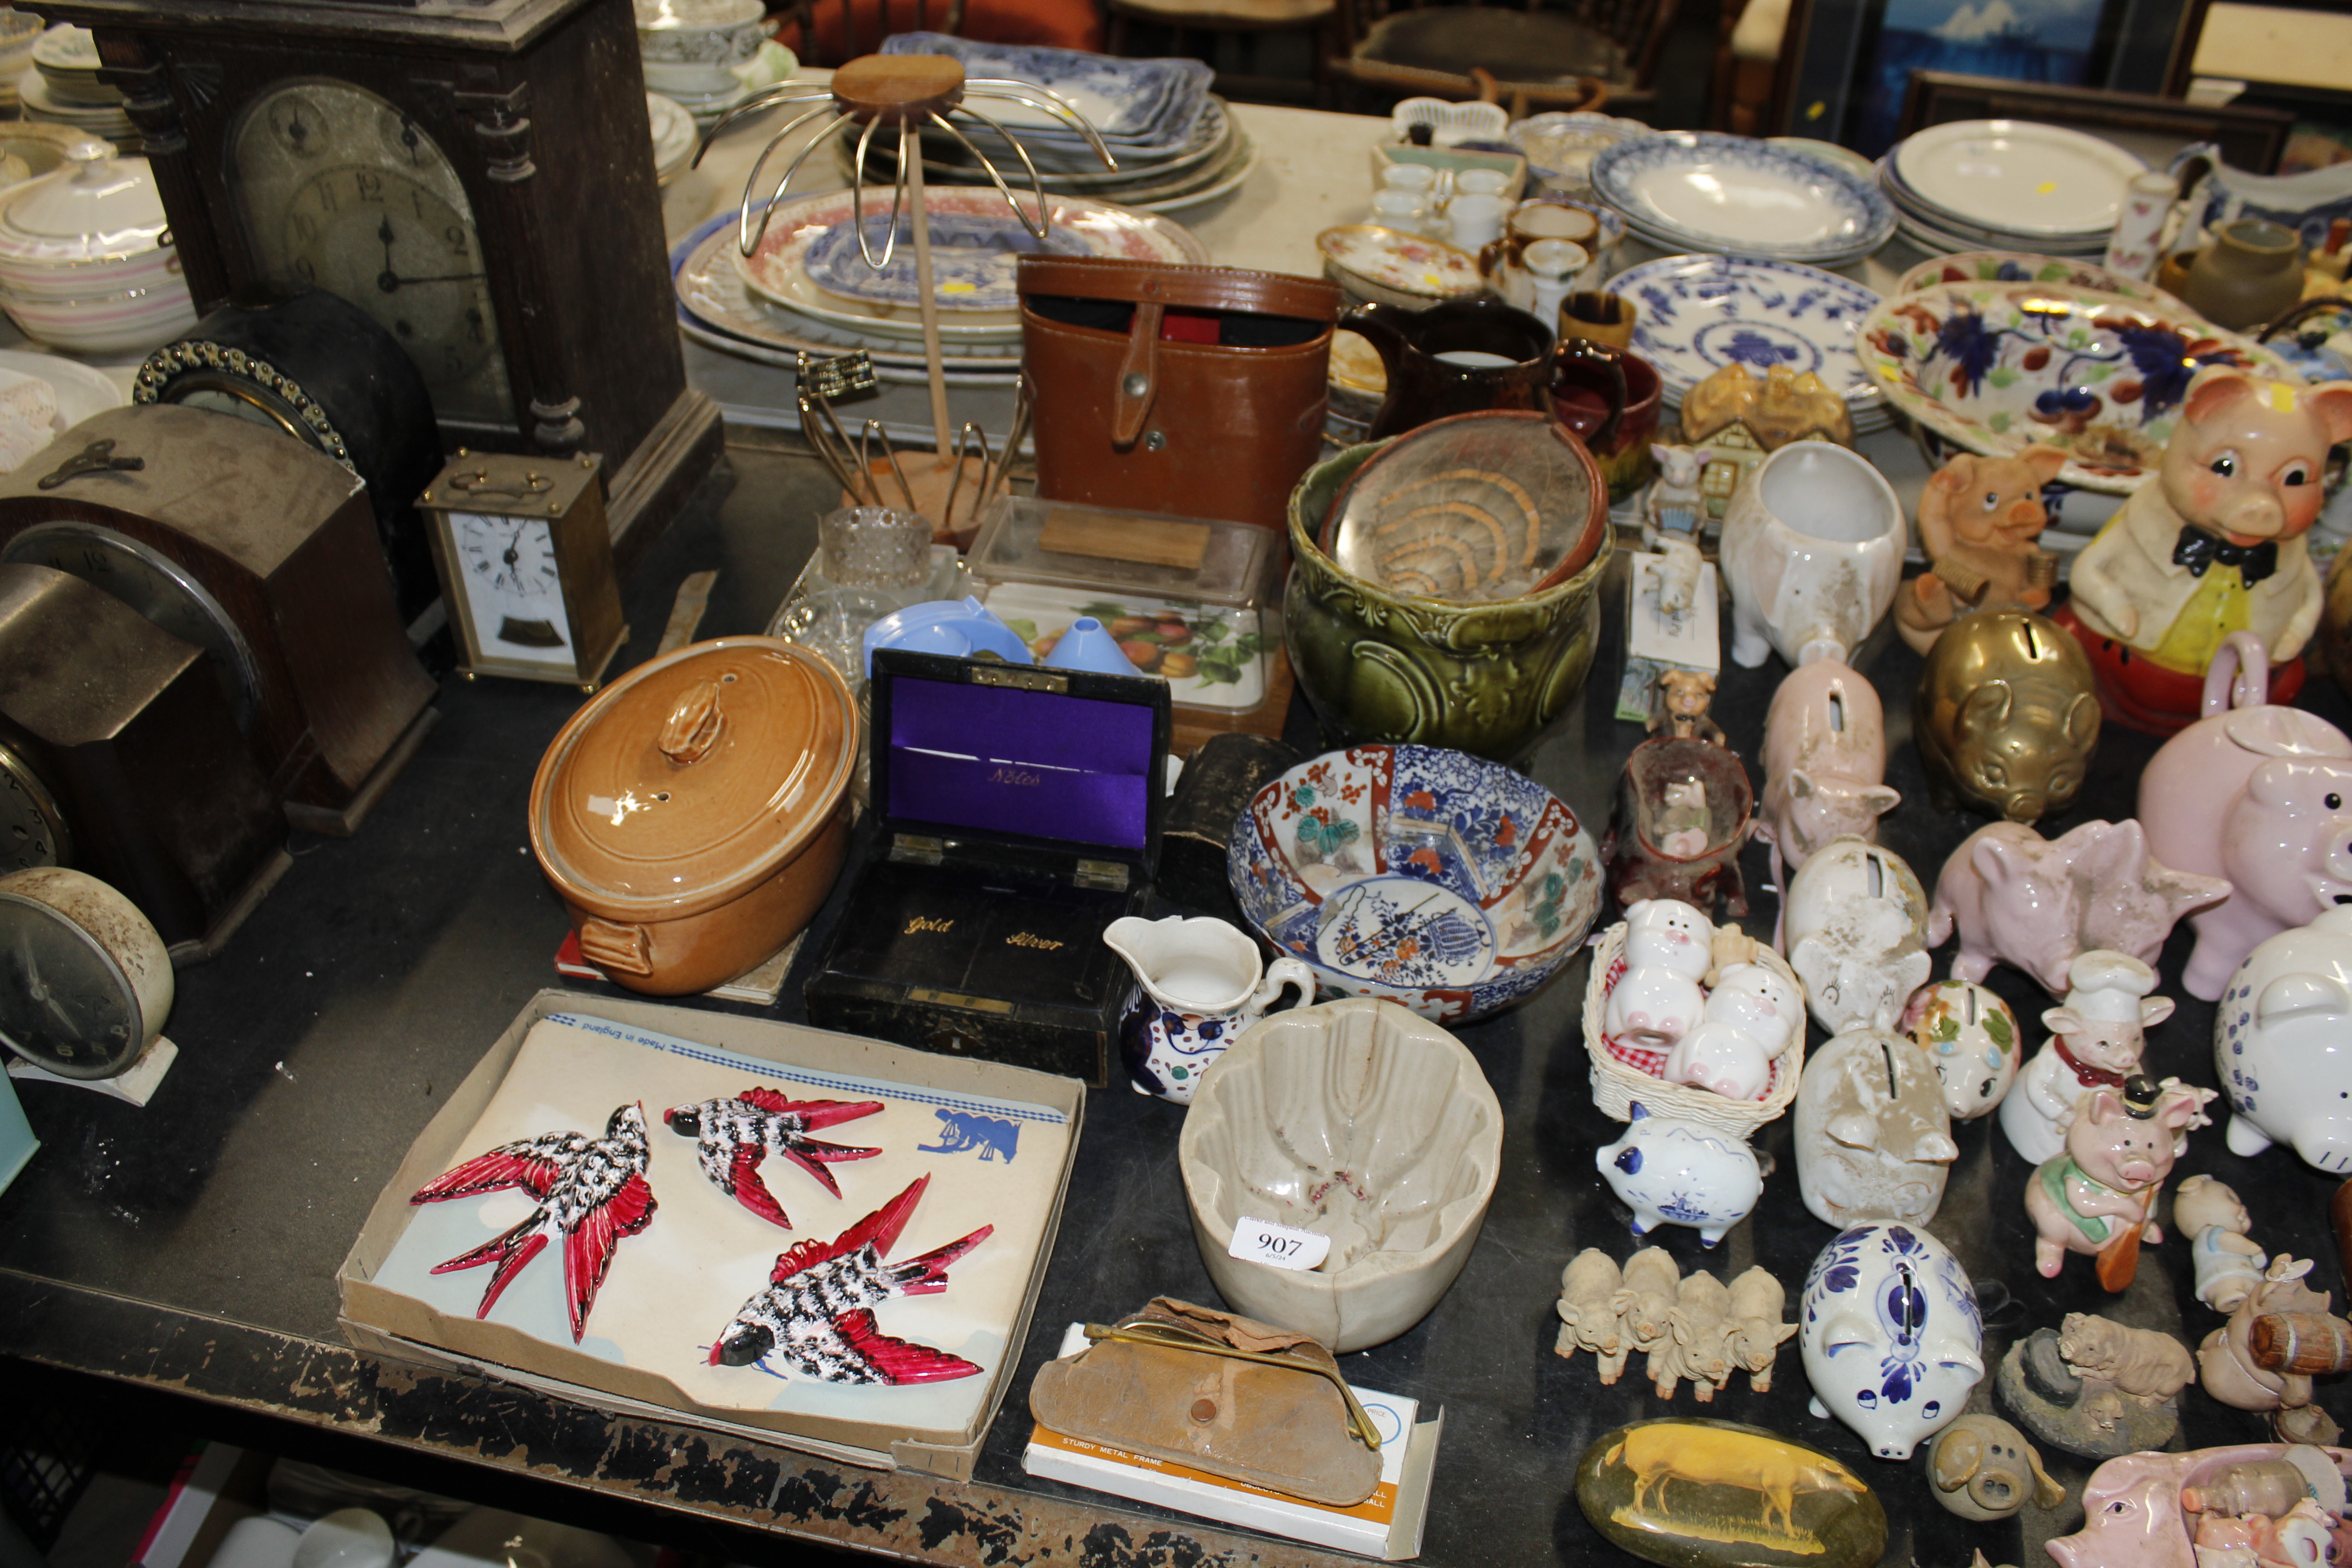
x=1699, y=191
x=974, y=256
x=1127, y=101
x=1699, y=313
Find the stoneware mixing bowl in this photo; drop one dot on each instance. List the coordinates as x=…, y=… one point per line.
x=1430, y=877
x=1380, y=665
x=1363, y=1124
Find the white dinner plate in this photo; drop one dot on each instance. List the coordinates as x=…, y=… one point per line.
x=2016, y=177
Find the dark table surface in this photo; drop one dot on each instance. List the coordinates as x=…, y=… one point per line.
x=189, y=1248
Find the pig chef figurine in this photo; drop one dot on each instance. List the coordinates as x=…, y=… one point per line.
x=2096, y=1043
x=2095, y=1198
x=2213, y=544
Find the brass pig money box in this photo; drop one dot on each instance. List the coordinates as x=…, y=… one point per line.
x=2007, y=716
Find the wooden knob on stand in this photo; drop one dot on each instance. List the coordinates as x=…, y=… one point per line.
x=899, y=90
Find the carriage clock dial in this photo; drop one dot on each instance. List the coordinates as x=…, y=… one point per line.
x=340, y=189
x=514, y=592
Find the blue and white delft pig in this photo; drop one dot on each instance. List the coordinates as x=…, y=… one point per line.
x=2283, y=1041
x=1672, y=1173
x=1891, y=1339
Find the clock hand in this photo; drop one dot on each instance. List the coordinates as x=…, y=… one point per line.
x=447, y=278
x=388, y=280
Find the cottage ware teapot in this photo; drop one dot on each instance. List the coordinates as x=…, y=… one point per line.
x=1199, y=984
x=1470, y=355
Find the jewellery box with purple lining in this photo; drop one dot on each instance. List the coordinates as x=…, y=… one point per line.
x=1019, y=814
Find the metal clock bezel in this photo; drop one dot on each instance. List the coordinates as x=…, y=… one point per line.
x=114, y=971
x=44, y=801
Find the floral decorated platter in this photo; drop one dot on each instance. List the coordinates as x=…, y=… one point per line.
x=2024, y=266
x=1713, y=193
x=2016, y=177
x=1429, y=268
x=974, y=258
x=1208, y=654
x=1699, y=313
x=1994, y=367
x=778, y=269
x=1426, y=877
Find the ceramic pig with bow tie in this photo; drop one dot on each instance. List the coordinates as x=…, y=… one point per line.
x=2095, y=1042
x=2213, y=544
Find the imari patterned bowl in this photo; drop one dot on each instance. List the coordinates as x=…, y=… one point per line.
x=1995, y=366
x=1431, y=878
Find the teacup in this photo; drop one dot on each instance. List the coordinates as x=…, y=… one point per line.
x=1580, y=391
x=1538, y=218
x=692, y=46
x=1598, y=317
x=1476, y=220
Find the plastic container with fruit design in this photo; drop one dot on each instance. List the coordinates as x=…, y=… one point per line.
x=1195, y=602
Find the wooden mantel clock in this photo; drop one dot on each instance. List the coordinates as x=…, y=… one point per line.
x=476, y=176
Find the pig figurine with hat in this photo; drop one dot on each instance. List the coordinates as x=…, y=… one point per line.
x=2095, y=1198
x=2212, y=544
x=2097, y=1041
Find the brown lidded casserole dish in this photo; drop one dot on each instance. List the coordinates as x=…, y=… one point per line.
x=693, y=814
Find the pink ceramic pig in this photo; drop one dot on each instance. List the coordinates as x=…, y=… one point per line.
x=2215, y=542
x=1825, y=755
x=2132, y=1509
x=2015, y=896
x=2260, y=795
x=2090, y=1198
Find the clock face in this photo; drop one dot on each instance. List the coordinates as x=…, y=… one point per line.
x=513, y=589
x=339, y=189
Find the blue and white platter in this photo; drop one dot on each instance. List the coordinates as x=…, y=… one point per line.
x=1699, y=313
x=974, y=256
x=1698, y=191
x=1153, y=102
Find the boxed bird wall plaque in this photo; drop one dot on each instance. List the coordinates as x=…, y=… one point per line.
x=799, y=1236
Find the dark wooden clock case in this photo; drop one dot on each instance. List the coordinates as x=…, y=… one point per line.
x=539, y=107
x=983, y=937
x=285, y=539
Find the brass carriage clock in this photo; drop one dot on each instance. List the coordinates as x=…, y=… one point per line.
x=476, y=176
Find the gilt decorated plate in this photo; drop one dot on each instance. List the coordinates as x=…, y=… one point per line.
x=1994, y=367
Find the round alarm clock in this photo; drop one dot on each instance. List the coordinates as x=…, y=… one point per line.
x=33, y=831
x=85, y=982
x=313, y=366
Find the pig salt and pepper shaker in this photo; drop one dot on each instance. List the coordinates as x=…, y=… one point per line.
x=1198, y=983
x=2228, y=1263
x=1980, y=522
x=1874, y=1139
x=1812, y=553
x=1668, y=951
x=2214, y=544
x=1984, y=1469
x=2283, y=1041
x=2097, y=1041
x=1749, y=1018
x=1856, y=921
x=1972, y=1040
x=1674, y=1172
x=1824, y=758
x=2007, y=716
x=1891, y=1335
x=2095, y=1387
x=2017, y=898
x=2260, y=794
x=2095, y=1198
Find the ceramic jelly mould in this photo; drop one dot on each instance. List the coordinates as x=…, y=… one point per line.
x=1361, y=1122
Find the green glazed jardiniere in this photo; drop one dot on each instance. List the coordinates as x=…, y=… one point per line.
x=1384, y=666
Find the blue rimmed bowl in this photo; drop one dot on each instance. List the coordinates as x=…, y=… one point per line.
x=1699, y=191
x=1417, y=875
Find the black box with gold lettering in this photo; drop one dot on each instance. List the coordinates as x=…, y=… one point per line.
x=1019, y=814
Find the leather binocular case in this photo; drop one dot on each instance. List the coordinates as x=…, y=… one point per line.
x=1196, y=391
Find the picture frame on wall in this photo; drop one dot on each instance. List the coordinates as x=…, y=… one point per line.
x=1852, y=59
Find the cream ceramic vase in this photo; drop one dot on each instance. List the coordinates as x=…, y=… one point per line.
x=1198, y=983
x=1812, y=552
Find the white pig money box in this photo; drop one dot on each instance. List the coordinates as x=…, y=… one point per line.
x=1891, y=1339
x=2283, y=1041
